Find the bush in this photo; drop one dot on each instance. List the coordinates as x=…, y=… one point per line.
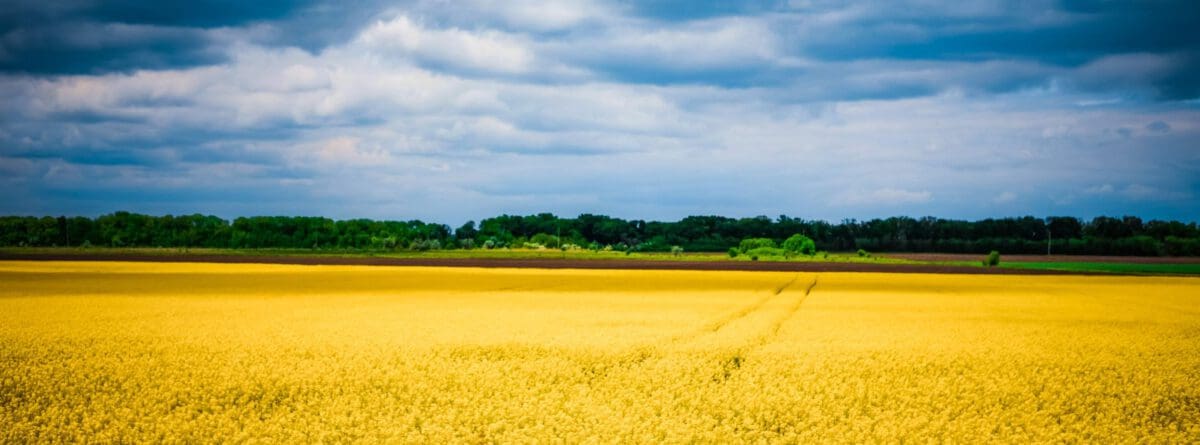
x=767, y=252
x=992, y=260
x=1177, y=246
x=676, y=250
x=749, y=244
x=423, y=245
x=545, y=239
x=753, y=257
x=863, y=253
x=800, y=244
x=733, y=252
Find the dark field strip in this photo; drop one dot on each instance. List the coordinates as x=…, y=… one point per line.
x=1005, y=258
x=770, y=266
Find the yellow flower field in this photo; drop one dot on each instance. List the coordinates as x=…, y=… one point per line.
x=202, y=353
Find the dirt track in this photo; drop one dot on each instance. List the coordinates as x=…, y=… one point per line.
x=545, y=263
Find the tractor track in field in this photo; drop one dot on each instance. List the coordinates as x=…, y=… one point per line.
x=732, y=364
x=545, y=263
x=728, y=366
x=639, y=357
x=740, y=313
x=794, y=309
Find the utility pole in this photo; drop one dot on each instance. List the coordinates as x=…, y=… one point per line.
x=1049, y=240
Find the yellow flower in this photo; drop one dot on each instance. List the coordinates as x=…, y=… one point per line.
x=207, y=353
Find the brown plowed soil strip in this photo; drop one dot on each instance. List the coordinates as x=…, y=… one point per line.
x=546, y=263
x=1045, y=258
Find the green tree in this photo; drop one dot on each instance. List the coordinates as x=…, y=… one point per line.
x=749, y=244
x=466, y=232
x=992, y=260
x=800, y=244
x=546, y=240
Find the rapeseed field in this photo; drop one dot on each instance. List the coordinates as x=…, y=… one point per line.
x=207, y=353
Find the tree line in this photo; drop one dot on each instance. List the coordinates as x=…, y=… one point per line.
x=1102, y=235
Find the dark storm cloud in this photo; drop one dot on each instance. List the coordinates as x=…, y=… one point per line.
x=89, y=47
x=1158, y=127
x=316, y=24
x=1067, y=35
x=93, y=36
x=188, y=14
x=657, y=109
x=192, y=13
x=1062, y=36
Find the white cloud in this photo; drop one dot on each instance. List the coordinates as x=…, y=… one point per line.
x=540, y=15
x=724, y=43
x=882, y=197
x=491, y=51
x=517, y=15
x=419, y=107
x=1142, y=192
x=347, y=151
x=1137, y=192
x=1005, y=198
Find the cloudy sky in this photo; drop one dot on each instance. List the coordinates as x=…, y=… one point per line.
x=455, y=110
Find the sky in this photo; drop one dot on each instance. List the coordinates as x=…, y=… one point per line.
x=459, y=110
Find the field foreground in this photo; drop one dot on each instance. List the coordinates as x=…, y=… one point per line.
x=199, y=353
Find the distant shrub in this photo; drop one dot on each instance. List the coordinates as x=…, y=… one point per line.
x=767, y=252
x=545, y=239
x=753, y=257
x=676, y=250
x=992, y=260
x=652, y=246
x=749, y=244
x=489, y=244
x=1177, y=246
x=863, y=253
x=733, y=252
x=800, y=244
x=423, y=245
x=823, y=254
